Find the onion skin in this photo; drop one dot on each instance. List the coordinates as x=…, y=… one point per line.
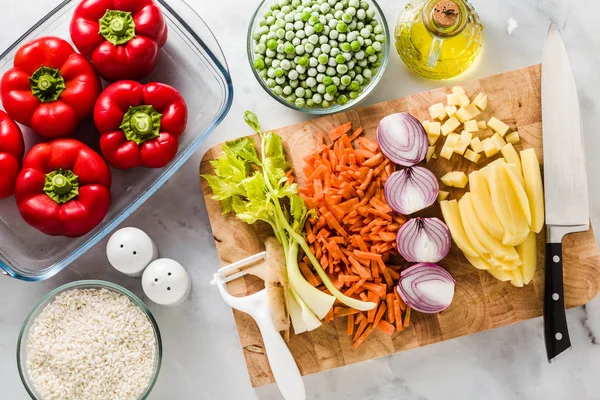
x=402, y=139
x=413, y=180
x=412, y=234
x=419, y=273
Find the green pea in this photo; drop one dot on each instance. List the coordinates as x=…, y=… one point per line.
x=305, y=16
x=346, y=47
x=355, y=45
x=300, y=103
x=259, y=65
x=353, y=95
x=289, y=48
x=318, y=27
x=313, y=20
x=347, y=18
x=303, y=61
x=354, y=85
x=340, y=59
x=332, y=90
x=370, y=50
x=279, y=72
x=342, y=100
x=325, y=104
x=323, y=58
x=272, y=44
x=341, y=27
x=346, y=80
x=327, y=80
x=310, y=103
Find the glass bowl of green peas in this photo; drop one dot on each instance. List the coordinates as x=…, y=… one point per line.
x=318, y=56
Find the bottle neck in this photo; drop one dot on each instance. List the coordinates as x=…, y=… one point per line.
x=445, y=18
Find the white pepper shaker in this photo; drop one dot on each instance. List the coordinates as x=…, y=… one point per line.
x=166, y=282
x=130, y=250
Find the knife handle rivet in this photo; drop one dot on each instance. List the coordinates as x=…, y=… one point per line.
x=555, y=296
x=558, y=336
x=556, y=259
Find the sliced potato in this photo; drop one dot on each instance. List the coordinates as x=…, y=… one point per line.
x=516, y=215
x=479, y=263
x=452, y=218
x=517, y=279
x=510, y=155
x=495, y=180
x=534, y=188
x=482, y=203
x=528, y=255
x=494, y=246
x=503, y=276
x=519, y=190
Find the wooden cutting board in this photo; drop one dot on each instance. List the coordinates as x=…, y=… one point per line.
x=480, y=302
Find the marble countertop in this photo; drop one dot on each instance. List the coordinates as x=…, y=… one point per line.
x=203, y=358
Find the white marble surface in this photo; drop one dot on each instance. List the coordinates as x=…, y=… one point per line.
x=203, y=358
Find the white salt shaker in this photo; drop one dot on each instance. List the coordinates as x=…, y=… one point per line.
x=130, y=250
x=166, y=282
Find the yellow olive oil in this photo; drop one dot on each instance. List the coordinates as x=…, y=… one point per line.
x=439, y=39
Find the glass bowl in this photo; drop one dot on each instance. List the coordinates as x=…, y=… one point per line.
x=49, y=298
x=335, y=108
x=193, y=63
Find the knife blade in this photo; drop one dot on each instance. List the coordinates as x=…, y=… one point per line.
x=565, y=181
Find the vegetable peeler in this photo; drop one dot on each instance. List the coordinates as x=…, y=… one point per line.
x=286, y=372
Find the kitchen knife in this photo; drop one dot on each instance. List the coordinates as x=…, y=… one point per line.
x=565, y=181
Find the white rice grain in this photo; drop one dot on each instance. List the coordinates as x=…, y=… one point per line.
x=92, y=344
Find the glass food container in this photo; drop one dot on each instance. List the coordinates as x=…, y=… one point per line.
x=49, y=298
x=264, y=6
x=439, y=39
x=193, y=63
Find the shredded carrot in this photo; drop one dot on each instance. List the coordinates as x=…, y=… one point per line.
x=385, y=326
x=407, y=317
x=353, y=231
x=398, y=315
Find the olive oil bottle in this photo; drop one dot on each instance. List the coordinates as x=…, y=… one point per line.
x=439, y=39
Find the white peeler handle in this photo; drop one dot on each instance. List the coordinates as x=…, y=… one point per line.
x=282, y=363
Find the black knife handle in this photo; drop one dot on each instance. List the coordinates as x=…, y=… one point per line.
x=556, y=331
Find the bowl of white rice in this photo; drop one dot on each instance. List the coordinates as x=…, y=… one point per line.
x=89, y=340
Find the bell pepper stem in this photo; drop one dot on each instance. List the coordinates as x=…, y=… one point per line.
x=47, y=84
x=61, y=185
x=141, y=123
x=118, y=27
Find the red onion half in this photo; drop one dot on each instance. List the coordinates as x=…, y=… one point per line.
x=426, y=287
x=424, y=240
x=402, y=139
x=410, y=190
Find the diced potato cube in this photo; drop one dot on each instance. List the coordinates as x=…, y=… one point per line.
x=461, y=146
x=498, y=126
x=472, y=156
x=478, y=98
x=466, y=136
x=513, y=138
x=433, y=138
x=437, y=111
x=464, y=100
x=462, y=115
x=442, y=195
x=472, y=110
x=456, y=179
x=498, y=141
x=482, y=125
x=451, y=110
x=425, y=125
x=434, y=128
x=471, y=126
x=430, y=152
x=450, y=126
x=434, y=156
x=458, y=90
x=452, y=140
x=488, y=148
x=482, y=103
x=476, y=145
x=447, y=152
x=453, y=100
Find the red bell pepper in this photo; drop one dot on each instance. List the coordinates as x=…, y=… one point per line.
x=121, y=37
x=51, y=88
x=140, y=125
x=12, y=149
x=64, y=188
